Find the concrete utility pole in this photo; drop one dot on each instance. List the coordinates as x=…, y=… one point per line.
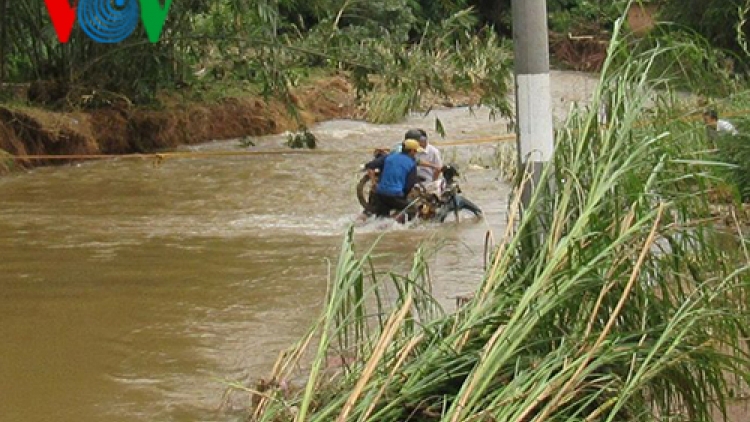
x=533, y=99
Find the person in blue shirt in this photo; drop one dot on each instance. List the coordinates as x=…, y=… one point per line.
x=398, y=174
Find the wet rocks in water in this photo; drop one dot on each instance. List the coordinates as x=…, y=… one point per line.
x=246, y=142
x=303, y=139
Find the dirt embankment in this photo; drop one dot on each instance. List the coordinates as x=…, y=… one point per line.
x=124, y=130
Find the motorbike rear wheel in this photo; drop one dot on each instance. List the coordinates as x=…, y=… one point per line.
x=364, y=187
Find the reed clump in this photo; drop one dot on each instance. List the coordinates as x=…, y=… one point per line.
x=610, y=298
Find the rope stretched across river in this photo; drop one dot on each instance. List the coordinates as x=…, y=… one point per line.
x=201, y=154
x=159, y=157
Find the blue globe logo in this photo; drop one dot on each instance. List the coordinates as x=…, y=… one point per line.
x=108, y=21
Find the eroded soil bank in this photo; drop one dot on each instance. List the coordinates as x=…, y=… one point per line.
x=125, y=130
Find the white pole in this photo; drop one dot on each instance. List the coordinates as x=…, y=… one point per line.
x=532, y=82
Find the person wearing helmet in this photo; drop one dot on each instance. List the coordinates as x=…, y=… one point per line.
x=398, y=174
x=428, y=161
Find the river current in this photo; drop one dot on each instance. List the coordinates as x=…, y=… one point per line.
x=135, y=291
x=131, y=291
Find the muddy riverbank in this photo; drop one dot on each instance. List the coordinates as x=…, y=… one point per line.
x=122, y=129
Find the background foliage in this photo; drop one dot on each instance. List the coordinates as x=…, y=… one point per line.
x=721, y=22
x=408, y=46
x=267, y=44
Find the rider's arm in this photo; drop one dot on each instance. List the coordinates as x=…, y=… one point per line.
x=373, y=177
x=438, y=164
x=436, y=168
x=425, y=163
x=376, y=164
x=411, y=180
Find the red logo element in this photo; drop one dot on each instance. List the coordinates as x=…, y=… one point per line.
x=63, y=16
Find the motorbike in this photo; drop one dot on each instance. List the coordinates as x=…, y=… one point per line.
x=430, y=201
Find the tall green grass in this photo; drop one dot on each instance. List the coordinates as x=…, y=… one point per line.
x=608, y=300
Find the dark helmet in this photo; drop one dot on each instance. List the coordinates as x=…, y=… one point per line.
x=416, y=134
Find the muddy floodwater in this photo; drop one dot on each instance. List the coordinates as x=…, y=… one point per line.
x=131, y=292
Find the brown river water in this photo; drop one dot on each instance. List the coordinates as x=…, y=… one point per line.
x=134, y=293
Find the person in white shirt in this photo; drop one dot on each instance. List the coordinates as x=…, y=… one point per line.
x=430, y=163
x=716, y=126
